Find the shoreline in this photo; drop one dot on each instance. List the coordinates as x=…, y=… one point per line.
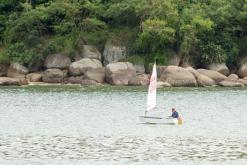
x=119, y=74
x=112, y=88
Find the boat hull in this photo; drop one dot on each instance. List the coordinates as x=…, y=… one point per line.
x=158, y=120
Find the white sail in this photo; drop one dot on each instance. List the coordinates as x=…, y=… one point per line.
x=151, y=100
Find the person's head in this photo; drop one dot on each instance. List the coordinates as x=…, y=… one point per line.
x=173, y=110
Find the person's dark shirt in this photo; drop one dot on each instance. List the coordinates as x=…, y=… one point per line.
x=175, y=114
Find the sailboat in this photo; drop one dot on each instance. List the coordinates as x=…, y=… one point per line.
x=151, y=103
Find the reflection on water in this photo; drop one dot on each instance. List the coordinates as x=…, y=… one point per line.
x=88, y=126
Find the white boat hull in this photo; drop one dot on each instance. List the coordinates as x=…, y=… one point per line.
x=157, y=120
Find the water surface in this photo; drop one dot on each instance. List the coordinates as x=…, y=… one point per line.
x=99, y=125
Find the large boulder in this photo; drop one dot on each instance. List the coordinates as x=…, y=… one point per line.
x=178, y=76
x=216, y=76
x=242, y=72
x=243, y=81
x=228, y=83
x=91, y=52
x=140, y=68
x=114, y=53
x=53, y=76
x=222, y=68
x=233, y=77
x=9, y=81
x=141, y=79
x=74, y=80
x=34, y=77
x=120, y=73
x=97, y=75
x=82, y=66
x=201, y=79
x=160, y=69
x=17, y=71
x=23, y=81
x=59, y=61
x=3, y=70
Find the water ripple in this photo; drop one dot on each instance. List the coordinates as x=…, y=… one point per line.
x=133, y=149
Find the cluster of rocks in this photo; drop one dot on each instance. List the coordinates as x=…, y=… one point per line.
x=190, y=77
x=88, y=69
x=93, y=68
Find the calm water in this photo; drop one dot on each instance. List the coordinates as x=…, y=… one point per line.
x=61, y=125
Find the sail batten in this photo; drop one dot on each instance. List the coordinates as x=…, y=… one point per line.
x=151, y=99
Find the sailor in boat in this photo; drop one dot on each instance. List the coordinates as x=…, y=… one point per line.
x=175, y=115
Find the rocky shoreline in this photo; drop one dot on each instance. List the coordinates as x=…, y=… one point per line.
x=92, y=70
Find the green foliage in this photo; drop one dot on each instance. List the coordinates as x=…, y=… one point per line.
x=211, y=53
x=203, y=31
x=3, y=57
x=65, y=22
x=18, y=53
x=155, y=35
x=7, y=7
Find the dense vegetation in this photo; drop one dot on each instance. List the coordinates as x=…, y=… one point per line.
x=199, y=31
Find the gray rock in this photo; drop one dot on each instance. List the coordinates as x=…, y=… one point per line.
x=97, y=75
x=117, y=67
x=23, y=81
x=3, y=70
x=9, y=81
x=53, y=76
x=81, y=67
x=141, y=79
x=139, y=68
x=177, y=76
x=59, y=61
x=17, y=71
x=160, y=69
x=74, y=80
x=34, y=77
x=222, y=68
x=91, y=52
x=113, y=53
x=227, y=83
x=242, y=72
x=243, y=81
x=201, y=79
x=216, y=76
x=120, y=73
x=232, y=77
x=118, y=79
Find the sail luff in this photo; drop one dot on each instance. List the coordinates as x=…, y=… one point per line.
x=151, y=99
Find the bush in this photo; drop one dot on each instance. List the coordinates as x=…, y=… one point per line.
x=155, y=36
x=20, y=54
x=211, y=53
